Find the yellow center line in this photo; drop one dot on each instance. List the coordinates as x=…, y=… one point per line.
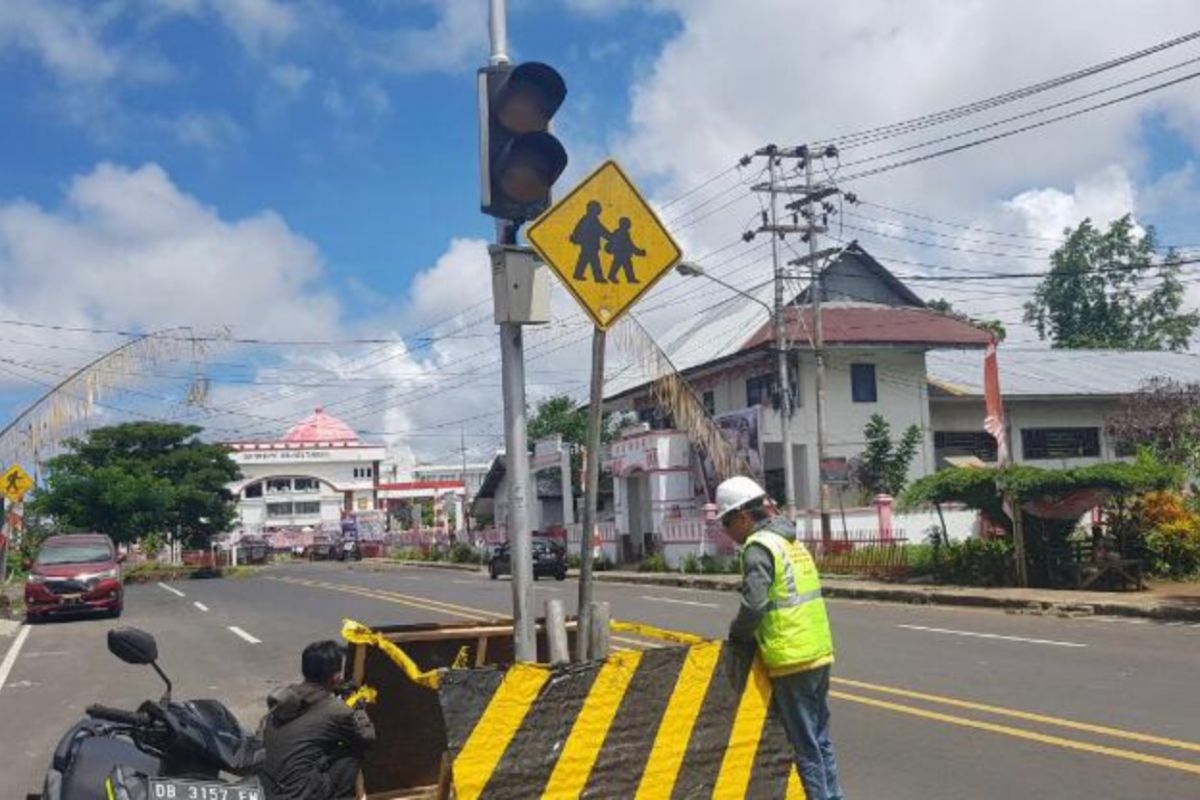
x=1029, y=716
x=1021, y=733
x=391, y=598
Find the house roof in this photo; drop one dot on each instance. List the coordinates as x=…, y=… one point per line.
x=1041, y=372
x=863, y=325
x=741, y=324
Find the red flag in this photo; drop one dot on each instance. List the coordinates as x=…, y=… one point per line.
x=993, y=421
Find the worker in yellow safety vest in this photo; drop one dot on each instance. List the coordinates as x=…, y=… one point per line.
x=783, y=614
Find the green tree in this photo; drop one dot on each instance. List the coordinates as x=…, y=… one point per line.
x=883, y=466
x=140, y=478
x=1096, y=293
x=944, y=306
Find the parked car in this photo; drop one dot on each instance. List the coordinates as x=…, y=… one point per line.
x=549, y=560
x=253, y=550
x=322, y=549
x=73, y=574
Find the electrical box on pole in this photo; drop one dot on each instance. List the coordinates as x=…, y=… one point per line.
x=520, y=286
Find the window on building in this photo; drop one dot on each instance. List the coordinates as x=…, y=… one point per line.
x=964, y=443
x=253, y=490
x=279, y=486
x=370, y=472
x=656, y=418
x=1050, y=443
x=710, y=402
x=279, y=509
x=305, y=484
x=307, y=507
x=758, y=390
x=862, y=383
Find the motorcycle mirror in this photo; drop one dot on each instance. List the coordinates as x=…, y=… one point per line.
x=132, y=646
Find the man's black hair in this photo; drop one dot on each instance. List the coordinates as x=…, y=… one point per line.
x=321, y=661
x=757, y=510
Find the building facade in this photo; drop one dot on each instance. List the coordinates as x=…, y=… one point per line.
x=317, y=476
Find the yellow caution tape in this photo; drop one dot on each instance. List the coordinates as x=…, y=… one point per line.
x=357, y=633
x=364, y=694
x=649, y=631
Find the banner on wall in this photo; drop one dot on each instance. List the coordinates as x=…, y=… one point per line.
x=741, y=428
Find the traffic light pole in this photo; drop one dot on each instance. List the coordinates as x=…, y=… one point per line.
x=516, y=445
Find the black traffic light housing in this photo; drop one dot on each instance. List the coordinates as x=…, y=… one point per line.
x=519, y=158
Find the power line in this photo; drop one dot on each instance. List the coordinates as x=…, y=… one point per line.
x=916, y=123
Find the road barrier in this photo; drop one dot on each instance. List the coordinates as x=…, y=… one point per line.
x=688, y=720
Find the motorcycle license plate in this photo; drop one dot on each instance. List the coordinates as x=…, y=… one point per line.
x=175, y=789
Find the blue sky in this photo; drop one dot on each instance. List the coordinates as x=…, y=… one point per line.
x=376, y=166
x=307, y=169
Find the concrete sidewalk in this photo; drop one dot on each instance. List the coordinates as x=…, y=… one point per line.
x=1161, y=604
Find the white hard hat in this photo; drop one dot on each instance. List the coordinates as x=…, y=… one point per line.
x=736, y=492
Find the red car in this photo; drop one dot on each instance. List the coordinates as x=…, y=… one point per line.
x=73, y=574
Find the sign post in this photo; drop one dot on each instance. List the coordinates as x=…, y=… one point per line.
x=608, y=248
x=14, y=484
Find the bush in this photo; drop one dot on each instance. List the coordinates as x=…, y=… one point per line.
x=921, y=558
x=1173, y=549
x=691, y=564
x=463, y=553
x=975, y=562
x=654, y=563
x=573, y=562
x=408, y=554
x=602, y=564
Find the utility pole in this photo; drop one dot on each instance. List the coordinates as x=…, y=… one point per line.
x=516, y=445
x=776, y=232
x=816, y=290
x=811, y=206
x=466, y=501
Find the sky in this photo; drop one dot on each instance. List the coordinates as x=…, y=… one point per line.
x=307, y=171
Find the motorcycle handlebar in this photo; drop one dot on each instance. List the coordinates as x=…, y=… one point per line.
x=118, y=715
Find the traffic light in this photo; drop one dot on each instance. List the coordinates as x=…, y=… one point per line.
x=519, y=159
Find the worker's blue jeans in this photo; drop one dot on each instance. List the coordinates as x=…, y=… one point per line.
x=802, y=700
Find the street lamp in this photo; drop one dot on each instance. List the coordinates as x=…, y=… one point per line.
x=693, y=270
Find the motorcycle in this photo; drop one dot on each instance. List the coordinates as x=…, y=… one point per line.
x=166, y=750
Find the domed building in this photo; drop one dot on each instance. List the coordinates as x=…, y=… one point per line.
x=319, y=477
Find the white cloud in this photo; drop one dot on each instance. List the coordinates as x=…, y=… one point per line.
x=1102, y=197
x=457, y=39
x=256, y=22
x=129, y=249
x=66, y=39
x=209, y=131
x=291, y=77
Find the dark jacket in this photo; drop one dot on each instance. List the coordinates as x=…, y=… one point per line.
x=307, y=730
x=758, y=573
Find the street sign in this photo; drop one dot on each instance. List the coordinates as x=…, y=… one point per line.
x=15, y=483
x=605, y=243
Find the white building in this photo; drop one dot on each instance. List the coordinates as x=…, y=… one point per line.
x=877, y=333
x=314, y=477
x=1057, y=402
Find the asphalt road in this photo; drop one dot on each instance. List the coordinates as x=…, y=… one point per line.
x=929, y=702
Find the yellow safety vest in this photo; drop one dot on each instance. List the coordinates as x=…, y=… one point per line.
x=793, y=636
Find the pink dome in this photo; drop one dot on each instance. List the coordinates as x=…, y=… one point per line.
x=320, y=427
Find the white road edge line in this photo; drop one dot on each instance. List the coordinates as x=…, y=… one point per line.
x=243, y=635
x=200, y=605
x=11, y=657
x=678, y=602
x=171, y=589
x=992, y=636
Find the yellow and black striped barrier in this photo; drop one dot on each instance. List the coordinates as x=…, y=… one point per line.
x=686, y=721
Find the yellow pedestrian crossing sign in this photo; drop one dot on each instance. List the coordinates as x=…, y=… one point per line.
x=605, y=243
x=15, y=483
